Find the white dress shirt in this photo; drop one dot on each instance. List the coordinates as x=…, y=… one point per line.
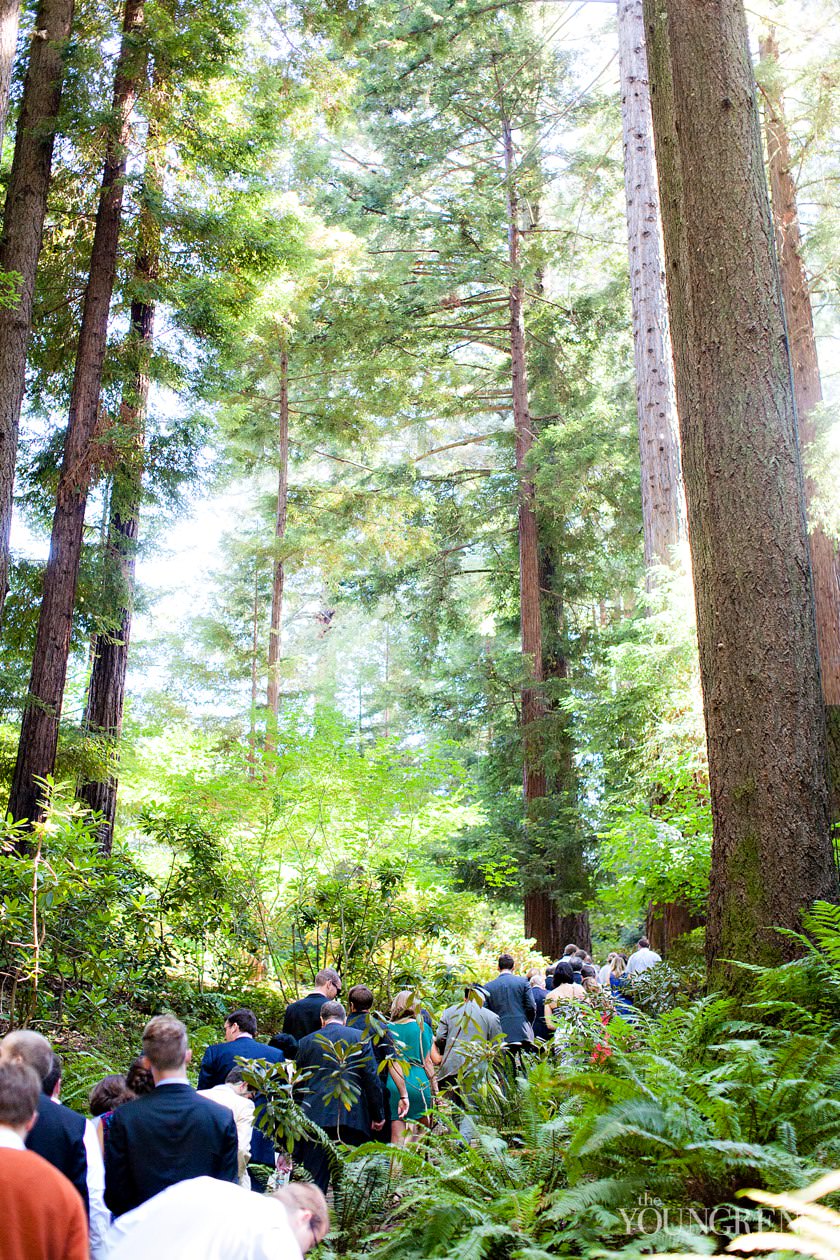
x=100, y=1218
x=11, y=1138
x=205, y=1219
x=642, y=960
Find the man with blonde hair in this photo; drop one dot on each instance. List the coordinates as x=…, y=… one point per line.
x=202, y=1219
x=170, y=1135
x=58, y=1134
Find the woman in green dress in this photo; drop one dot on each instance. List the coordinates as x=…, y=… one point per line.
x=413, y=1038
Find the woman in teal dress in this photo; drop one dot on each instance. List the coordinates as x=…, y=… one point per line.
x=413, y=1038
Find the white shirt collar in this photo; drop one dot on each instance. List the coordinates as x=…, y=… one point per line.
x=10, y=1139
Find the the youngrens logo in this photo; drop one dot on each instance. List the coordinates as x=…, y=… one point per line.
x=651, y=1216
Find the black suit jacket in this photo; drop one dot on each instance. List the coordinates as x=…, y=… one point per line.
x=58, y=1135
x=361, y=1071
x=304, y=1016
x=217, y=1062
x=512, y=998
x=164, y=1137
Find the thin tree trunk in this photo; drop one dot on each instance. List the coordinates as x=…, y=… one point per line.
x=39, y=729
x=279, y=577
x=663, y=498
x=23, y=229
x=771, y=854
x=106, y=690
x=807, y=388
x=255, y=638
x=9, y=23
x=540, y=912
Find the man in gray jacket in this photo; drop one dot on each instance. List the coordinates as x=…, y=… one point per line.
x=460, y=1025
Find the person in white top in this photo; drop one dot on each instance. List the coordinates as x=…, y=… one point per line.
x=642, y=958
x=238, y=1098
x=208, y=1219
x=99, y=1217
x=604, y=973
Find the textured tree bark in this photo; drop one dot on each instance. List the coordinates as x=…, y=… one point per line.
x=668, y=920
x=279, y=576
x=23, y=227
x=663, y=497
x=9, y=23
x=39, y=728
x=807, y=387
x=106, y=689
x=765, y=726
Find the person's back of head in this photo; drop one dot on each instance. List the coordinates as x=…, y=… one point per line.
x=285, y=1042
x=360, y=999
x=328, y=975
x=25, y=1046
x=576, y=964
x=306, y=1207
x=506, y=962
x=243, y=1019
x=20, y=1091
x=589, y=972
x=333, y=1011
x=570, y=949
x=619, y=966
x=138, y=1078
x=403, y=1005
x=52, y=1080
x=643, y=943
x=537, y=980
x=108, y=1094
x=581, y=954
x=563, y=973
x=165, y=1043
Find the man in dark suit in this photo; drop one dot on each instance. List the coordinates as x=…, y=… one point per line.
x=58, y=1134
x=372, y=1027
x=169, y=1135
x=512, y=1000
x=337, y=1059
x=304, y=1016
x=240, y=1043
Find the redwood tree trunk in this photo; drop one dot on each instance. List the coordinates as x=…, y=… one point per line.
x=279, y=576
x=39, y=729
x=9, y=22
x=106, y=690
x=807, y=388
x=663, y=499
x=765, y=726
x=23, y=227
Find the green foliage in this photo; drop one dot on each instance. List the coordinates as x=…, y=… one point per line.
x=78, y=939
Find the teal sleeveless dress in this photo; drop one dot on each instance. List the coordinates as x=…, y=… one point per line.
x=414, y=1041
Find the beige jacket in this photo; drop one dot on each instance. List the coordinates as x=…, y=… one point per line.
x=243, y=1114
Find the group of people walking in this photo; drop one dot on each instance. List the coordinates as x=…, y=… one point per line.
x=165, y=1170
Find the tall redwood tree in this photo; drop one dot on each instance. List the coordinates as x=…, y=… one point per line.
x=746, y=512
x=807, y=387
x=39, y=728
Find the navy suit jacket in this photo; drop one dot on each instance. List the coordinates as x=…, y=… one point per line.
x=58, y=1136
x=331, y=1113
x=217, y=1062
x=304, y=1016
x=164, y=1137
x=512, y=998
